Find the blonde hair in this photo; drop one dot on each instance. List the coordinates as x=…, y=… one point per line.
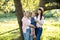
x=25, y=12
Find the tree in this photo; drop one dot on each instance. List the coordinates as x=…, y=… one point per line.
x=19, y=15
x=54, y=4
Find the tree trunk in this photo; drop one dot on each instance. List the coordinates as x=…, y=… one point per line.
x=19, y=14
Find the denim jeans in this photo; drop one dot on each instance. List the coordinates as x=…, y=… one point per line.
x=27, y=35
x=38, y=32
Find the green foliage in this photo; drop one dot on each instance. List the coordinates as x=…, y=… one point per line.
x=48, y=14
x=7, y=15
x=26, y=4
x=52, y=13
x=30, y=4
x=7, y=6
x=51, y=4
x=51, y=30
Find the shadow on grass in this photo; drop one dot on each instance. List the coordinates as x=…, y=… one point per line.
x=9, y=31
x=17, y=38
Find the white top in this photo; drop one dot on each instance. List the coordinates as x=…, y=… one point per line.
x=25, y=22
x=41, y=21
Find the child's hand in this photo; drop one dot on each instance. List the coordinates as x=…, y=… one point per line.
x=32, y=26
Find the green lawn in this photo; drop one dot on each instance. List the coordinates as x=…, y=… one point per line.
x=51, y=29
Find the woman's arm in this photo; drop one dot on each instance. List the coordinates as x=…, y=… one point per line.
x=40, y=21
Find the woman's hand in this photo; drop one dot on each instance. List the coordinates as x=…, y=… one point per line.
x=36, y=20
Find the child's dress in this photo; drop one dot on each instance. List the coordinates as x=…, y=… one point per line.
x=32, y=29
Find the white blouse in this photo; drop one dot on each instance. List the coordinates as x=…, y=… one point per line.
x=41, y=21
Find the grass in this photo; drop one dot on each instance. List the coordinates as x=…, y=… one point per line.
x=7, y=24
x=51, y=29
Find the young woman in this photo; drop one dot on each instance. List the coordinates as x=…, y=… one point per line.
x=26, y=24
x=40, y=20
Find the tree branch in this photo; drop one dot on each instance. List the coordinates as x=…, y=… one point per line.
x=52, y=7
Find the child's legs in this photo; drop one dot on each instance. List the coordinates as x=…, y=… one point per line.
x=32, y=34
x=32, y=31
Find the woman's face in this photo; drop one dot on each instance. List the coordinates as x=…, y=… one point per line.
x=39, y=11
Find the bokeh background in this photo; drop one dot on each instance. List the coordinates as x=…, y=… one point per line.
x=9, y=28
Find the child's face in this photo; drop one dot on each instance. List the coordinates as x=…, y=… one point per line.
x=33, y=14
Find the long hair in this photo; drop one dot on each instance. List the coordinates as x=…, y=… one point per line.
x=41, y=14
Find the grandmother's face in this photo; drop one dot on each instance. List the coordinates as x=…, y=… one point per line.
x=27, y=14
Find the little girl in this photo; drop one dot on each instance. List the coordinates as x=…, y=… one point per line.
x=33, y=23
